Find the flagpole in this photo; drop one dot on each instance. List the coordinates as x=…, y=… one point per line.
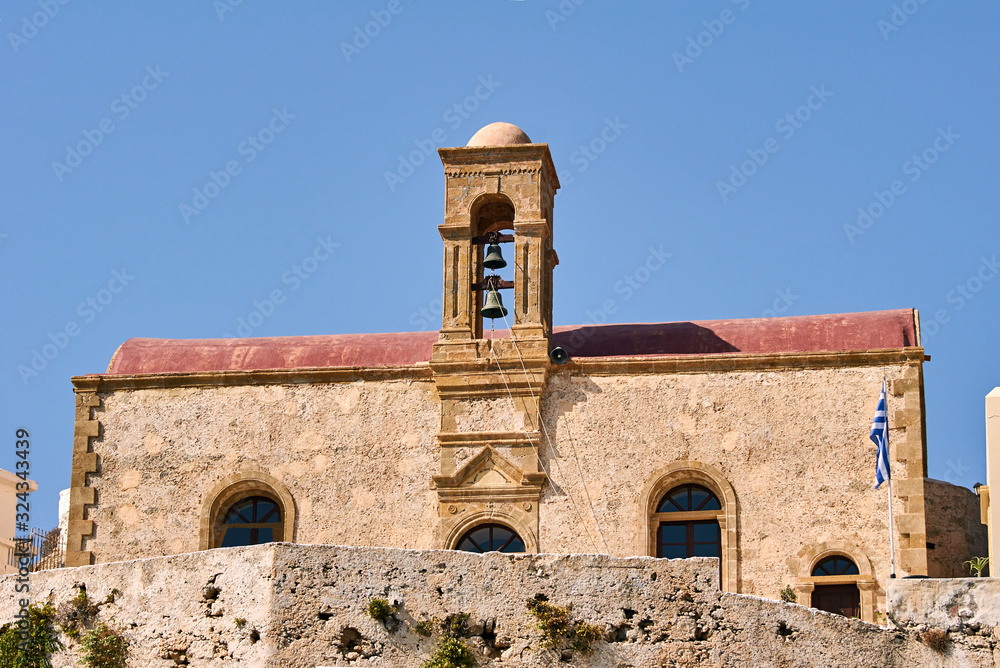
x=892, y=546
x=892, y=542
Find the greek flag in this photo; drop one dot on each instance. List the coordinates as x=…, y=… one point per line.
x=880, y=437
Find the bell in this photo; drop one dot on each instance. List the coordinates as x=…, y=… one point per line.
x=493, y=259
x=493, y=308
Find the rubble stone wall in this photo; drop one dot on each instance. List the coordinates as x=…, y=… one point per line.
x=953, y=603
x=954, y=528
x=298, y=606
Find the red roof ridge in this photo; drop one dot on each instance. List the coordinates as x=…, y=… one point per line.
x=870, y=330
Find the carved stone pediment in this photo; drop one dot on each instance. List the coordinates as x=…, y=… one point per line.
x=489, y=476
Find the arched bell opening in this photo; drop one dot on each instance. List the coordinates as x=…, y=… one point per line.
x=493, y=235
x=496, y=189
x=492, y=213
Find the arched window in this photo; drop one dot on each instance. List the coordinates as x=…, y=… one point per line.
x=836, y=588
x=835, y=565
x=490, y=538
x=691, y=491
x=248, y=507
x=688, y=523
x=251, y=521
x=836, y=576
x=688, y=498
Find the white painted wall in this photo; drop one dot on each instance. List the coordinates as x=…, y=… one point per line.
x=993, y=471
x=8, y=511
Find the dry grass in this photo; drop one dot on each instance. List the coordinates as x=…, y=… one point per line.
x=936, y=639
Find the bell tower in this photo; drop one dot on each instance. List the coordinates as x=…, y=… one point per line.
x=499, y=183
x=497, y=235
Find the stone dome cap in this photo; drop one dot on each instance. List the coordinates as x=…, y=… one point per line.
x=499, y=134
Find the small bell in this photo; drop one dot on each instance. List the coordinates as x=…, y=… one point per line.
x=493, y=308
x=493, y=259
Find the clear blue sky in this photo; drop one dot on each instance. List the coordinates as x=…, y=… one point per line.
x=648, y=108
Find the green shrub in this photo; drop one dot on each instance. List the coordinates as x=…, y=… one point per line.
x=380, y=610
x=77, y=614
x=424, y=628
x=787, y=595
x=582, y=637
x=42, y=640
x=553, y=620
x=451, y=653
x=104, y=648
x=558, y=627
x=977, y=565
x=456, y=625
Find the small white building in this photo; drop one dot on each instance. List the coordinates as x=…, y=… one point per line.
x=8, y=513
x=992, y=471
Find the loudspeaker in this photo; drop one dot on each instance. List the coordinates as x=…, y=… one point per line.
x=558, y=356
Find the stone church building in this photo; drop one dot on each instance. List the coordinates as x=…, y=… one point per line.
x=745, y=440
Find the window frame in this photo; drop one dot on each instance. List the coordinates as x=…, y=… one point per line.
x=690, y=544
x=666, y=496
x=813, y=555
x=684, y=472
x=835, y=557
x=222, y=526
x=490, y=525
x=235, y=487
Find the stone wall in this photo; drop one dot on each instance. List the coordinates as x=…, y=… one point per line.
x=795, y=451
x=298, y=606
x=954, y=527
x=953, y=604
x=358, y=458
x=964, y=611
x=355, y=457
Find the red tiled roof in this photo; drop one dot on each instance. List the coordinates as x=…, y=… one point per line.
x=801, y=334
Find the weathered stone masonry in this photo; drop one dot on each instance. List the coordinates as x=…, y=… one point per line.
x=302, y=606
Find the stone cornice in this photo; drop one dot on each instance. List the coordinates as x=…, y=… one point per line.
x=666, y=364
x=522, y=485
x=476, y=170
x=108, y=383
x=482, y=438
x=475, y=379
x=597, y=366
x=483, y=160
